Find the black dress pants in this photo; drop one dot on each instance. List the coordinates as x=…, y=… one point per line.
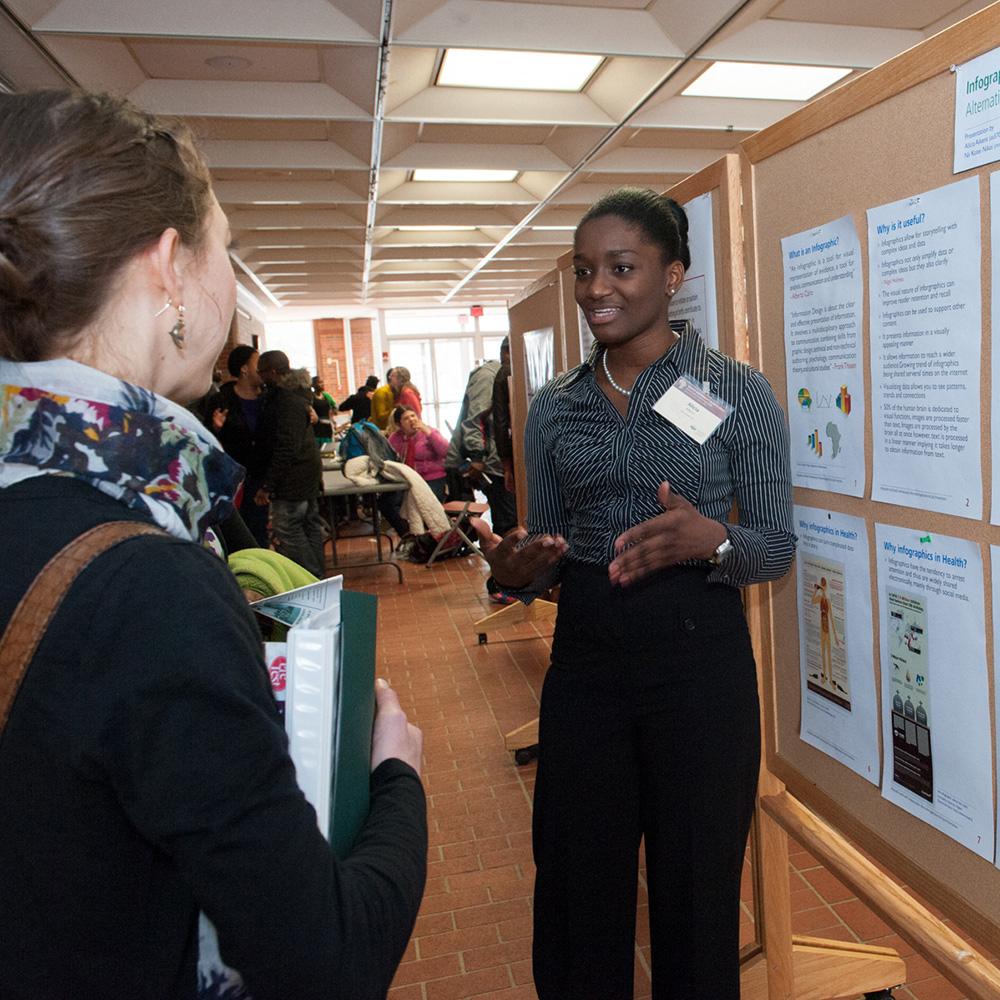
x=648, y=728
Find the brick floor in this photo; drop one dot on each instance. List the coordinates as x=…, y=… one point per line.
x=473, y=936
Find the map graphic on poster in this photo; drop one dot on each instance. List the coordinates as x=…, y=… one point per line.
x=826, y=643
x=910, y=685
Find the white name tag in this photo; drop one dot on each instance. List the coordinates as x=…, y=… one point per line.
x=691, y=409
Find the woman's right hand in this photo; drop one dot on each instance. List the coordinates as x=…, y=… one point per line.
x=393, y=736
x=515, y=567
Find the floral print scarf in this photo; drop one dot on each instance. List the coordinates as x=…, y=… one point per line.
x=63, y=418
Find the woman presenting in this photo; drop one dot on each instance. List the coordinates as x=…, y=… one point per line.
x=648, y=725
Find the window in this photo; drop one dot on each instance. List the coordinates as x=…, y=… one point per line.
x=439, y=368
x=494, y=320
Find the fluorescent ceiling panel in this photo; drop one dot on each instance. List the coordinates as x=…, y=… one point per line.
x=764, y=81
x=512, y=70
x=462, y=176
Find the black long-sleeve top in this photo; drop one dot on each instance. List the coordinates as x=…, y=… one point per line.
x=360, y=405
x=145, y=775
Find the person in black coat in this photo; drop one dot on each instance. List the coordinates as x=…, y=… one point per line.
x=360, y=403
x=293, y=472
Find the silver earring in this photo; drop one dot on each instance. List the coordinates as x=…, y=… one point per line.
x=177, y=333
x=168, y=304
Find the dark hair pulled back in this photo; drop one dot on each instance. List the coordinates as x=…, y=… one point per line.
x=86, y=182
x=238, y=357
x=661, y=219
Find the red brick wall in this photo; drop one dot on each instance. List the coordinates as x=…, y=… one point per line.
x=331, y=356
x=363, y=351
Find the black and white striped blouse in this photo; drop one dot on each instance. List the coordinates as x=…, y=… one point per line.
x=593, y=474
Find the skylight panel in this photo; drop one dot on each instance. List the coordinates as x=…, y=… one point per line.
x=463, y=176
x=764, y=81
x=502, y=69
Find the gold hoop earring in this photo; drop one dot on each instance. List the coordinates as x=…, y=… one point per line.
x=177, y=333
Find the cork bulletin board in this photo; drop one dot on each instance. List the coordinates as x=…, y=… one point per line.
x=886, y=136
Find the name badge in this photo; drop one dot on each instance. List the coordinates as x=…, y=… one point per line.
x=692, y=409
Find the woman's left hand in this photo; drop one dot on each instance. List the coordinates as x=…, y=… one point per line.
x=678, y=534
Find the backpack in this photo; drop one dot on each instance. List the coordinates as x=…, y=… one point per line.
x=375, y=445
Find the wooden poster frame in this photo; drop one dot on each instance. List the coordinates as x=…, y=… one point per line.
x=883, y=136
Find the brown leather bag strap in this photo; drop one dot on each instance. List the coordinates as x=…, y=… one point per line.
x=42, y=600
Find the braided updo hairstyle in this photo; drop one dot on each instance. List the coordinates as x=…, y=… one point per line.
x=86, y=182
x=660, y=219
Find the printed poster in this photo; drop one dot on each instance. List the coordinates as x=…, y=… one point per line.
x=937, y=762
x=839, y=708
x=539, y=360
x=823, y=293
x=926, y=341
x=995, y=324
x=697, y=298
x=977, y=112
x=995, y=566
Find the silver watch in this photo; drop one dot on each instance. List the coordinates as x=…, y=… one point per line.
x=720, y=555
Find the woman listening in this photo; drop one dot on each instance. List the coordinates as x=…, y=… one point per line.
x=143, y=750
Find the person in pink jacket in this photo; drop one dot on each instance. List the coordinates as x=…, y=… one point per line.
x=421, y=447
x=406, y=393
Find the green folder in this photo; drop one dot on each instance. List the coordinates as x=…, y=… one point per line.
x=350, y=790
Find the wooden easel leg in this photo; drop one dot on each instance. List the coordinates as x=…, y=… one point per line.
x=513, y=614
x=523, y=739
x=792, y=966
x=822, y=969
x=773, y=897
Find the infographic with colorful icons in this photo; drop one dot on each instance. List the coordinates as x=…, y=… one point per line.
x=826, y=407
x=839, y=707
x=926, y=344
x=937, y=762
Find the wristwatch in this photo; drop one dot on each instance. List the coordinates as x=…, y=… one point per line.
x=719, y=556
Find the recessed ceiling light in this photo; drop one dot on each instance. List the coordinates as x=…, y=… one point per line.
x=435, y=229
x=764, y=81
x=512, y=70
x=228, y=62
x=462, y=176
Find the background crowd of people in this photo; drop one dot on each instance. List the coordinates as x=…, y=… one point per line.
x=274, y=420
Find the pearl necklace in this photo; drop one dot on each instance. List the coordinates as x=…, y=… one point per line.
x=614, y=384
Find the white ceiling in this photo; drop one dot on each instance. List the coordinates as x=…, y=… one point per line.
x=286, y=97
